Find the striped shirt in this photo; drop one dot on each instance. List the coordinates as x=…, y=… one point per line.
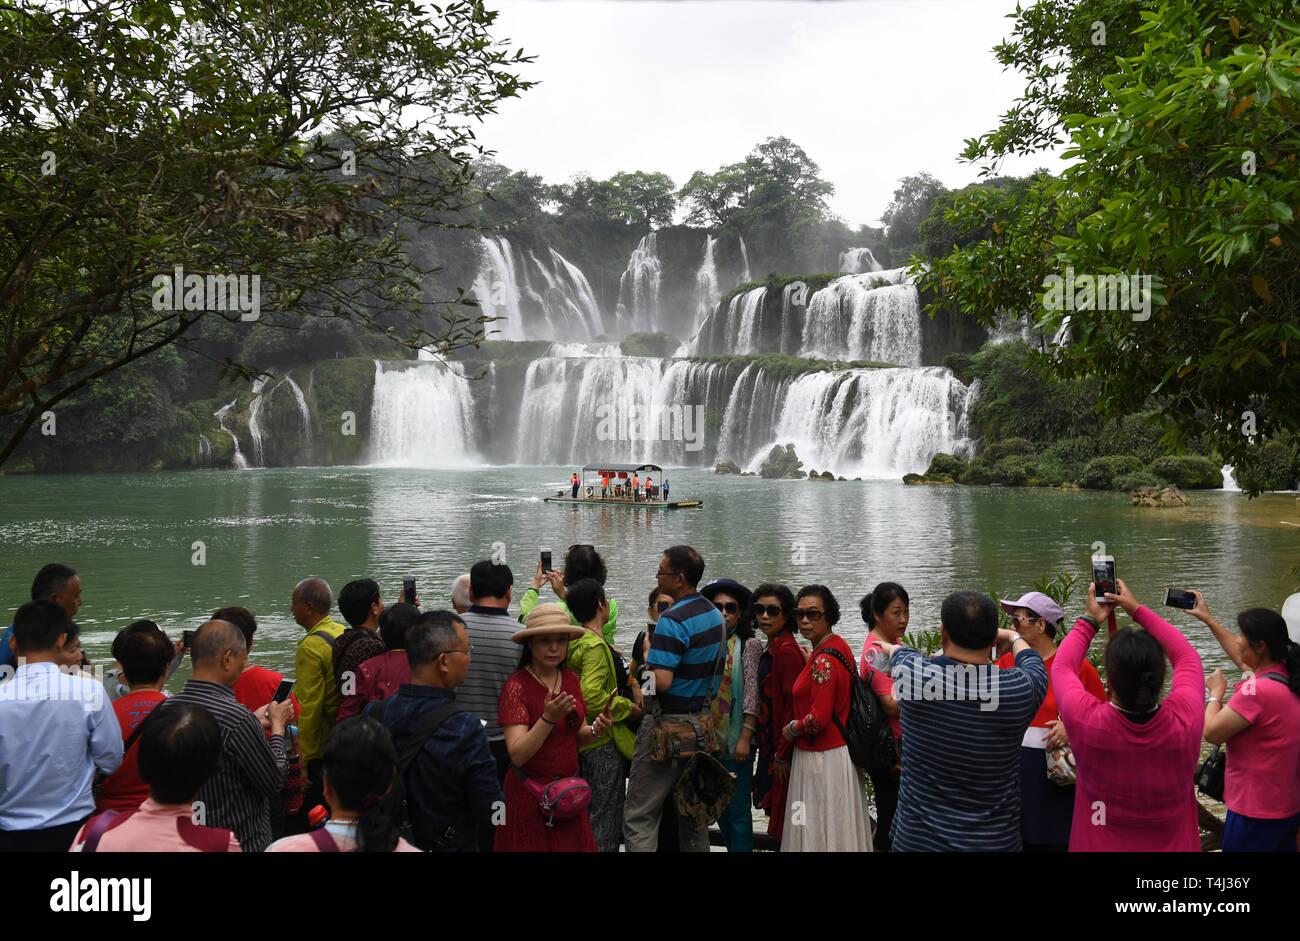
x=687, y=639
x=962, y=728
x=252, y=770
x=495, y=658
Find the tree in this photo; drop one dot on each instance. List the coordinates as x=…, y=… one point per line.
x=1184, y=173
x=711, y=198
x=286, y=150
x=647, y=200
x=910, y=207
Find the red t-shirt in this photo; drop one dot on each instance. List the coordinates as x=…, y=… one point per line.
x=257, y=685
x=1048, y=711
x=882, y=684
x=123, y=789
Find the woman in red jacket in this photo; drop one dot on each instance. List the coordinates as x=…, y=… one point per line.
x=826, y=809
x=773, y=613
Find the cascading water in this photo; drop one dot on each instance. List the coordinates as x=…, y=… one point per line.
x=205, y=450
x=745, y=276
x=707, y=292
x=564, y=306
x=638, y=289
x=254, y=429
x=874, y=423
x=421, y=416
x=1229, y=478
x=874, y=316
x=574, y=410
x=857, y=260
x=220, y=414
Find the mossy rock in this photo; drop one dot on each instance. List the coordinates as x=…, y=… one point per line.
x=945, y=465
x=661, y=345
x=726, y=467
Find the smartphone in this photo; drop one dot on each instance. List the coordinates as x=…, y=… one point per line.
x=1103, y=575
x=187, y=639
x=546, y=560
x=610, y=701
x=408, y=590
x=282, y=691
x=1176, y=598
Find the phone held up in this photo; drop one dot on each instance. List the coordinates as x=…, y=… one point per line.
x=546, y=561
x=1177, y=598
x=1103, y=576
x=408, y=590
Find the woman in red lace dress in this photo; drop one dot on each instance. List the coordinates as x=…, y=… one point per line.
x=544, y=719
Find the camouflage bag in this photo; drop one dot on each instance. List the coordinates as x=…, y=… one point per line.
x=704, y=790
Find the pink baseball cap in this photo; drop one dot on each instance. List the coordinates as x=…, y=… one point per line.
x=1040, y=604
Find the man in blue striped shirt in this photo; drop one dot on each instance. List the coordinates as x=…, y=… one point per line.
x=963, y=721
x=685, y=649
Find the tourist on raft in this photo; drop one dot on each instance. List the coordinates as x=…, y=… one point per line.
x=1261, y=724
x=545, y=721
x=1135, y=754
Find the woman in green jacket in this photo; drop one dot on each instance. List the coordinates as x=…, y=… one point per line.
x=581, y=561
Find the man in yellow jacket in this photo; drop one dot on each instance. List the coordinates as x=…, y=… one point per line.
x=313, y=668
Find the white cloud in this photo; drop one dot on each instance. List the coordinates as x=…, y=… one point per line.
x=873, y=91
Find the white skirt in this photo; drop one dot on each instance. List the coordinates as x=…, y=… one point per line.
x=826, y=807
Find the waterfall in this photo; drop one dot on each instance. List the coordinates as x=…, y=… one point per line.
x=1229, y=478
x=638, y=289
x=576, y=410
x=254, y=429
x=857, y=260
x=745, y=276
x=875, y=423
x=304, y=415
x=742, y=321
x=684, y=399
x=1007, y=328
x=707, y=293
x=422, y=416
x=565, y=305
x=220, y=414
x=874, y=316
x=578, y=350
x=205, y=451
x=750, y=412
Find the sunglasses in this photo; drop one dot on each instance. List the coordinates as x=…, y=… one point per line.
x=807, y=614
x=729, y=607
x=771, y=610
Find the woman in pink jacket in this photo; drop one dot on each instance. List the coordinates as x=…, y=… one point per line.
x=1136, y=754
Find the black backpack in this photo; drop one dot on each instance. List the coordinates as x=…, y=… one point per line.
x=406, y=755
x=872, y=746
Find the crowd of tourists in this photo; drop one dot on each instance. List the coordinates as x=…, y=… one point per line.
x=475, y=729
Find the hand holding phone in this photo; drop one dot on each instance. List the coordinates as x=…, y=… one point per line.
x=408, y=590
x=1104, y=578
x=283, y=690
x=1176, y=598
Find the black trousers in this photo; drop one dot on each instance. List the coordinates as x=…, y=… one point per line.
x=885, y=787
x=46, y=840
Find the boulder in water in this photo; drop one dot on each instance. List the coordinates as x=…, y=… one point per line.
x=1158, y=497
x=726, y=467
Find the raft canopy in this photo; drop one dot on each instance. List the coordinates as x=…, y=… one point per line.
x=624, y=468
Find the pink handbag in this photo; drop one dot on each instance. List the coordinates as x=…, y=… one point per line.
x=561, y=798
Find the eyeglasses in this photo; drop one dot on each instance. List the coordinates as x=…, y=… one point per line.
x=729, y=607
x=661, y=573
x=771, y=610
x=467, y=651
x=807, y=614
x=663, y=606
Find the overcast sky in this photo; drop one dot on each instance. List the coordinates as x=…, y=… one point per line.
x=872, y=90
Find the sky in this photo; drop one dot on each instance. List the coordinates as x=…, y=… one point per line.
x=872, y=90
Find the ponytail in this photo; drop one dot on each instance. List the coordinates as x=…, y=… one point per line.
x=868, y=616
x=360, y=762
x=1260, y=625
x=376, y=831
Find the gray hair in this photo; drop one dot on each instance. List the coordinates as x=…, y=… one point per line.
x=460, y=597
x=316, y=592
x=214, y=639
